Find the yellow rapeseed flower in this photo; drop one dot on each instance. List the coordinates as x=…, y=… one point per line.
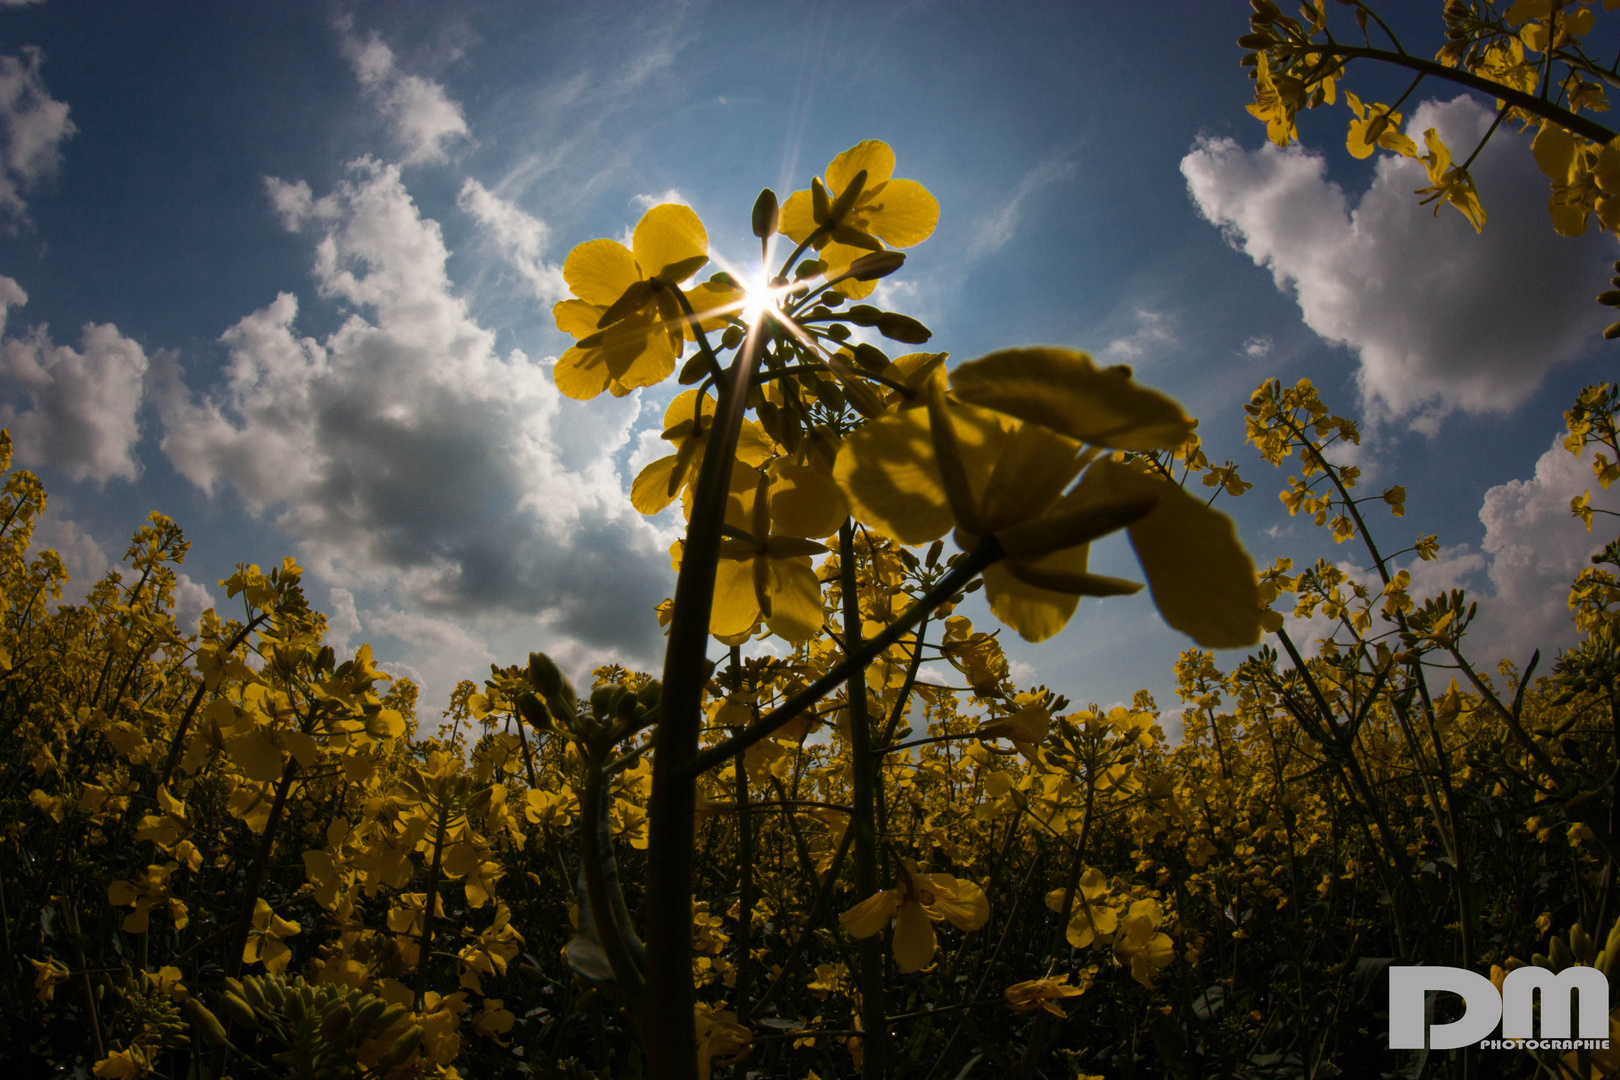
x=625, y=316
x=859, y=209
x=915, y=904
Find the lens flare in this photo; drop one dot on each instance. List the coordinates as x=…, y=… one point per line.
x=761, y=298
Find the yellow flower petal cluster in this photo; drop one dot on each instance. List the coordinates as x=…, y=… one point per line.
x=914, y=905
x=860, y=208
x=625, y=315
x=996, y=455
x=1042, y=994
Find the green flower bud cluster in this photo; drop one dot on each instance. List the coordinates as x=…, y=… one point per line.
x=320, y=1026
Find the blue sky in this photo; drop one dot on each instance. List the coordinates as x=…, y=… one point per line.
x=289, y=267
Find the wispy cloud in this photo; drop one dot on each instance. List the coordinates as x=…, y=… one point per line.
x=997, y=226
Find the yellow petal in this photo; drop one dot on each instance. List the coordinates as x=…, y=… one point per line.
x=804, y=501
x=1080, y=932
x=872, y=914
x=838, y=258
x=887, y=472
x=1201, y=578
x=650, y=493
x=1033, y=468
x=1554, y=151
x=1034, y=612
x=962, y=902
x=796, y=613
x=900, y=213
x=798, y=219
x=581, y=373
x=736, y=608
x=1093, y=884
x=683, y=410
x=712, y=302
x=914, y=941
x=873, y=155
x=1063, y=390
x=667, y=235
x=754, y=447
x=576, y=317
x=598, y=271
x=258, y=757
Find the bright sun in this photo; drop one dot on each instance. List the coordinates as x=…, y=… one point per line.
x=761, y=298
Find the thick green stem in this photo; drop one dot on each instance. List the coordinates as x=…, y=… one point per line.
x=875, y=1053
x=425, y=950
x=670, y=1039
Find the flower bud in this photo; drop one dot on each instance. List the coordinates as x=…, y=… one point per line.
x=879, y=264
x=240, y=1011
x=863, y=315
x=533, y=710
x=766, y=214
x=871, y=358
x=402, y=1048
x=206, y=1022
x=820, y=203
x=336, y=1022
x=903, y=328
x=846, y=198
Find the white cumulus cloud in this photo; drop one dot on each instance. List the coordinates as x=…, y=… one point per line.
x=82, y=416
x=33, y=126
x=1440, y=318
x=403, y=453
x=423, y=117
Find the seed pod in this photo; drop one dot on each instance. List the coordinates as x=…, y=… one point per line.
x=903, y=328
x=206, y=1022
x=766, y=214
